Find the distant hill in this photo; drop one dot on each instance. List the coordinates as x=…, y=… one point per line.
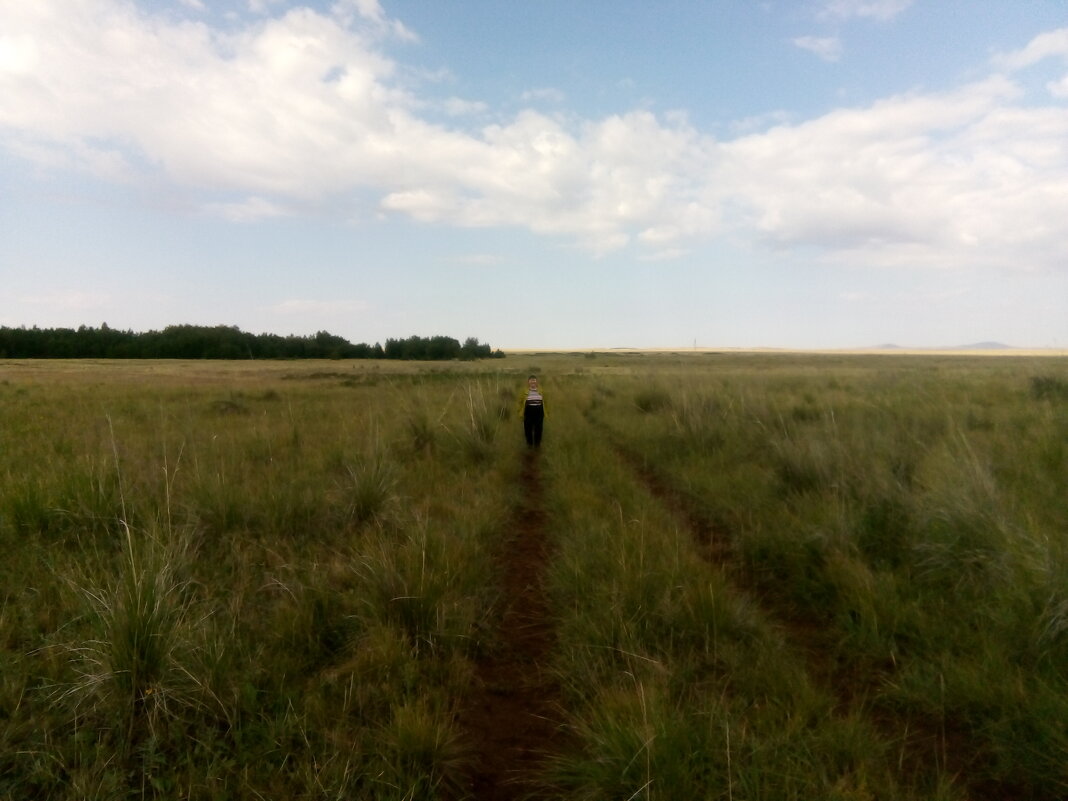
x=985, y=346
x=972, y=346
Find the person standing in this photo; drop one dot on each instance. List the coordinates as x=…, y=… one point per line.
x=532, y=408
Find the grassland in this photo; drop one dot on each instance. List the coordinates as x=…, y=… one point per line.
x=772, y=576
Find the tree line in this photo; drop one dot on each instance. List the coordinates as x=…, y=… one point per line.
x=222, y=342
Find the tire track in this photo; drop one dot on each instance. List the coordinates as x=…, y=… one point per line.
x=512, y=715
x=926, y=746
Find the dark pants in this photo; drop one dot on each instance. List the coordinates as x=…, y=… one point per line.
x=533, y=417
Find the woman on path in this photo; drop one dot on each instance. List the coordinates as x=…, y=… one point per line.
x=532, y=408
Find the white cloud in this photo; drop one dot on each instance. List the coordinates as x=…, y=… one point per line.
x=422, y=204
x=876, y=9
x=1043, y=46
x=262, y=6
x=1052, y=44
x=252, y=209
x=18, y=54
x=1058, y=88
x=670, y=254
x=303, y=110
x=543, y=95
x=458, y=107
x=759, y=122
x=947, y=180
x=295, y=106
x=371, y=11
x=828, y=48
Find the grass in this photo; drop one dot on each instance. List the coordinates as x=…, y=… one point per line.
x=683, y=685
x=911, y=511
x=773, y=576
x=236, y=588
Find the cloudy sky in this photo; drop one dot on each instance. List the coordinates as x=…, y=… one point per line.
x=540, y=173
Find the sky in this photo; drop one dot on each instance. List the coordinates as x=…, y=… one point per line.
x=540, y=173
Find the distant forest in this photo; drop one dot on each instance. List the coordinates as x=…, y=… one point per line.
x=221, y=342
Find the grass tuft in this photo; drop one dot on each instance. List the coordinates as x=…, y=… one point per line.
x=1047, y=387
x=370, y=488
x=134, y=673
x=423, y=755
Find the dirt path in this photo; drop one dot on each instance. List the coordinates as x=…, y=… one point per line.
x=512, y=715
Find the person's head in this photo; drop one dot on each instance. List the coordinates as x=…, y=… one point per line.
x=532, y=381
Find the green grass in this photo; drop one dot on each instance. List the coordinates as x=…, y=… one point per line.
x=251, y=587
x=773, y=576
x=910, y=518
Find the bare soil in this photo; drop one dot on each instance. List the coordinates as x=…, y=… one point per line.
x=512, y=717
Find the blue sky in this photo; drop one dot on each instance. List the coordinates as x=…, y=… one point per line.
x=543, y=174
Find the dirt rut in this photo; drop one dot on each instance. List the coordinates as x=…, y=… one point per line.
x=512, y=716
x=923, y=742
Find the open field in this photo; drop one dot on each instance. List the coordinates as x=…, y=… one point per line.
x=889, y=351
x=724, y=576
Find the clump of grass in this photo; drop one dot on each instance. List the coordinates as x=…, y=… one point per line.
x=421, y=415
x=28, y=508
x=806, y=463
x=652, y=399
x=369, y=489
x=968, y=540
x=478, y=426
x=1052, y=635
x=884, y=531
x=317, y=623
x=218, y=505
x=1048, y=387
x=621, y=734
x=92, y=501
x=414, y=578
x=699, y=419
x=422, y=431
x=133, y=673
x=805, y=412
x=79, y=500
x=422, y=754
x=229, y=406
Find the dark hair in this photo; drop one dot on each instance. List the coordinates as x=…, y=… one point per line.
x=532, y=376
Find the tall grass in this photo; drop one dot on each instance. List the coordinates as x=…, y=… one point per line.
x=131, y=673
x=913, y=511
x=251, y=588
x=680, y=685
x=773, y=576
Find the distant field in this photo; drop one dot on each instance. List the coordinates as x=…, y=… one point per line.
x=889, y=351
x=768, y=575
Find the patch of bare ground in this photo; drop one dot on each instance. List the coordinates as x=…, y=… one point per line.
x=925, y=746
x=512, y=716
